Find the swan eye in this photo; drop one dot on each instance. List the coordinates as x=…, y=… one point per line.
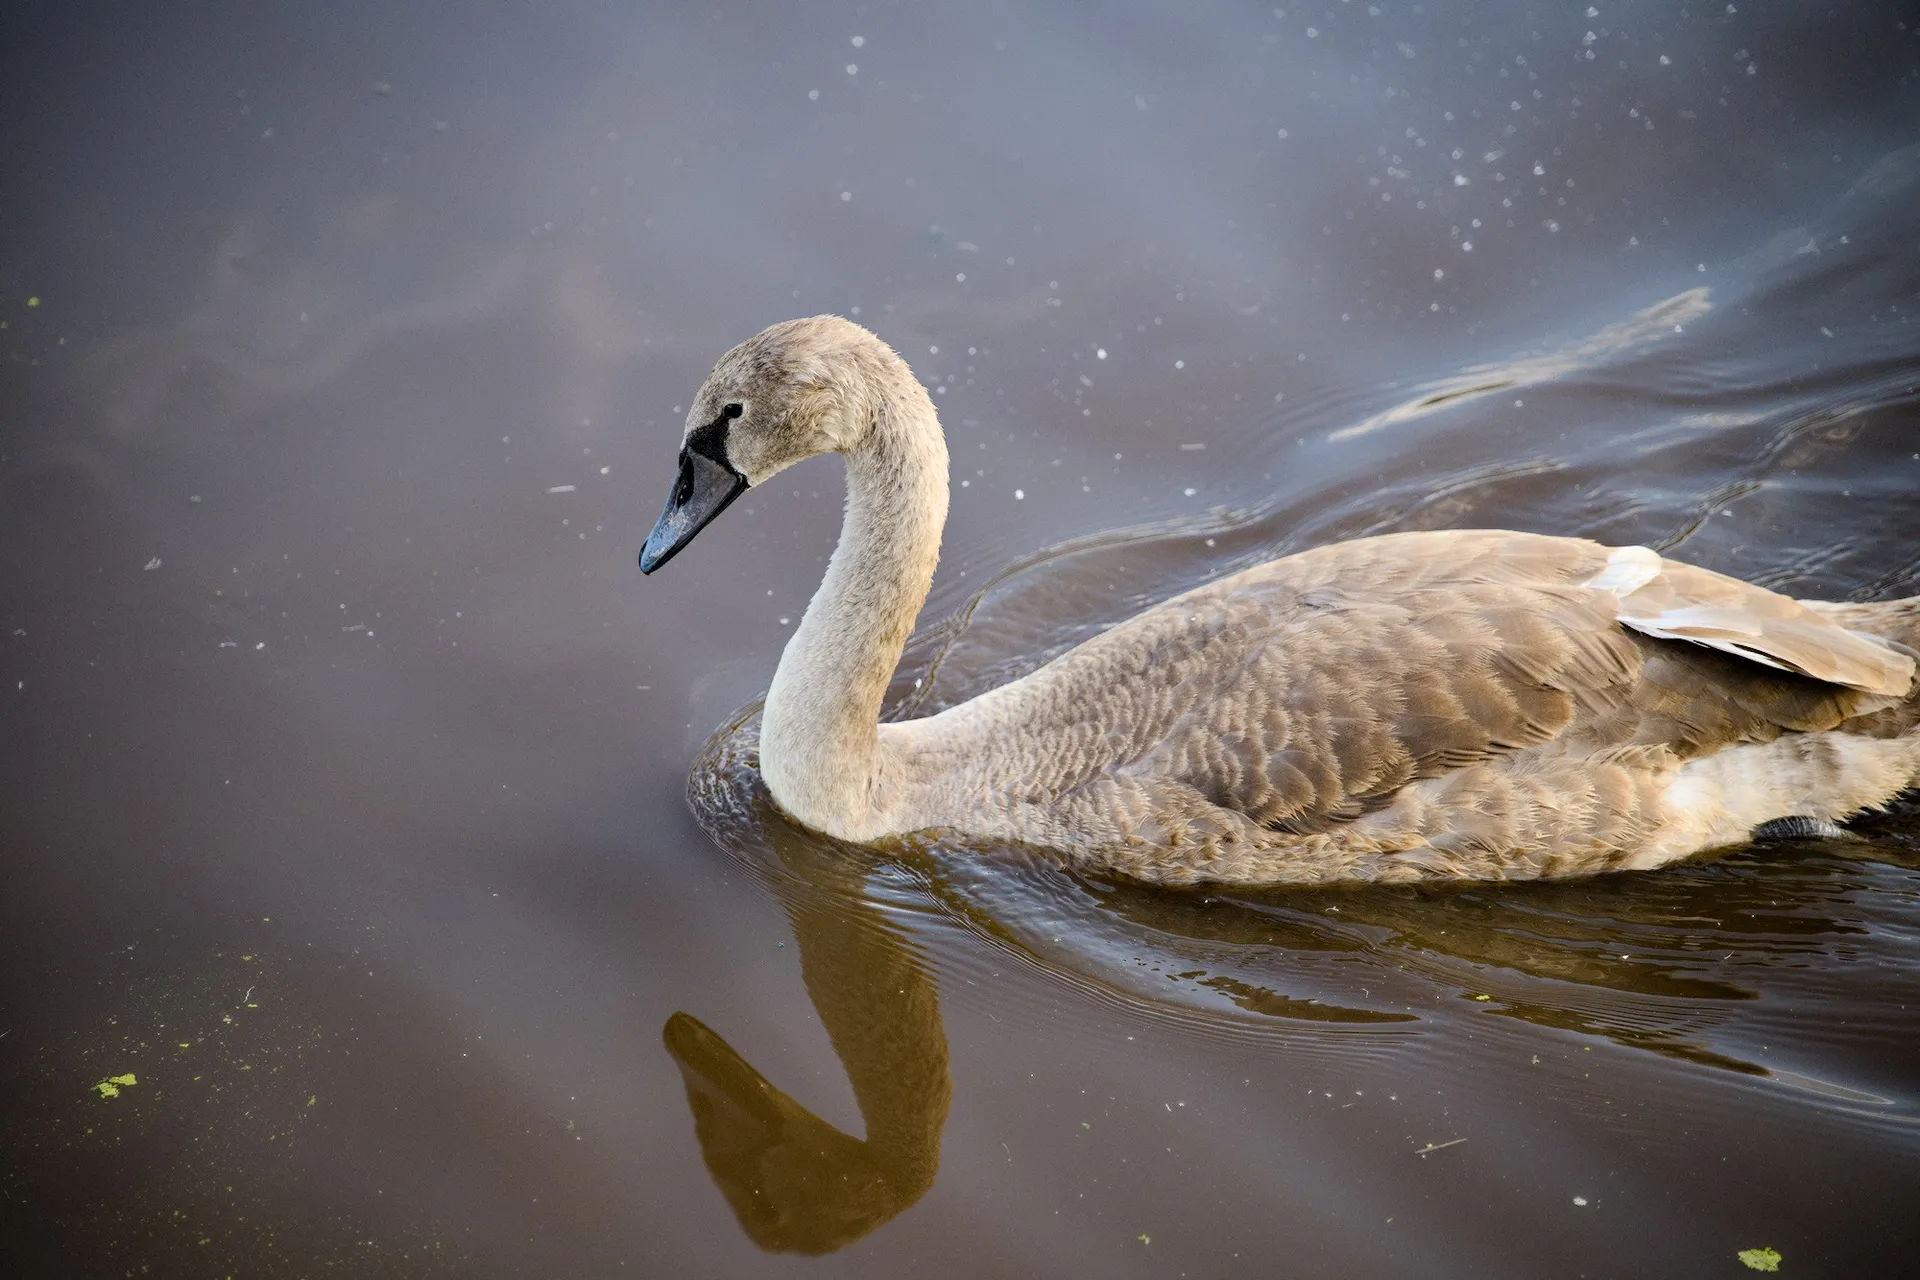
x=733, y=410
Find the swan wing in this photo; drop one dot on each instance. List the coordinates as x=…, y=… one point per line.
x=1308, y=691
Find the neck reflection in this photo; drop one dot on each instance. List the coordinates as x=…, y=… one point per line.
x=796, y=1183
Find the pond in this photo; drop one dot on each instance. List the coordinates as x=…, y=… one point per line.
x=389, y=887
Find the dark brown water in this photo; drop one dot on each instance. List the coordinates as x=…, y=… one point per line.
x=346, y=754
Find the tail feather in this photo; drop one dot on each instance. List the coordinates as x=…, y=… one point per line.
x=1898, y=623
x=1895, y=620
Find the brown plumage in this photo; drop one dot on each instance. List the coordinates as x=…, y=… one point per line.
x=1464, y=704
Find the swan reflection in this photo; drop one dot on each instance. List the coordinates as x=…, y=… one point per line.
x=796, y=1183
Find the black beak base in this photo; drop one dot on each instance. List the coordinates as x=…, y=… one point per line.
x=702, y=491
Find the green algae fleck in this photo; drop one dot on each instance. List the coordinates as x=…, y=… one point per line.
x=111, y=1086
x=1760, y=1259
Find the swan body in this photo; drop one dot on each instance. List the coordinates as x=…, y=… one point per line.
x=1473, y=704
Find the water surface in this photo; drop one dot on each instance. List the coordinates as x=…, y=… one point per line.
x=366, y=807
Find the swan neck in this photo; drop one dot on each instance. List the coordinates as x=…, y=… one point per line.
x=820, y=749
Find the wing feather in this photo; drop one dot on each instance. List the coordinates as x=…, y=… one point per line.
x=1681, y=602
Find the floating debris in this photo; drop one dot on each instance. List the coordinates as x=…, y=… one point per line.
x=1439, y=1146
x=112, y=1085
x=152, y=564
x=562, y=488
x=1760, y=1259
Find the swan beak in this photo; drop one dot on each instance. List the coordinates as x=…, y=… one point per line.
x=704, y=489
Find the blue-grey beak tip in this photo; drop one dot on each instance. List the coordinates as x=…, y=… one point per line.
x=704, y=489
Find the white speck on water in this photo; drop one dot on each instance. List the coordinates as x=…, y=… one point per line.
x=1826, y=331
x=1665, y=61
x=1190, y=491
x=259, y=645
x=845, y=196
x=606, y=470
x=1280, y=133
x=1439, y=274
x=1210, y=541
x=1099, y=353
x=1539, y=170
x=1179, y=364
x=1313, y=33
x=1580, y=1200
x=1461, y=180
x=853, y=69
x=1019, y=495
x=859, y=41
x=783, y=622
x=1466, y=246
x=1700, y=266
x=1193, y=446
x=152, y=564
x=813, y=95
x=960, y=277
x=561, y=488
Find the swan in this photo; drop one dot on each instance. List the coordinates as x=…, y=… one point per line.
x=1459, y=704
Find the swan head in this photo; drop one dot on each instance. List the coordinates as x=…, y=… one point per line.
x=790, y=392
